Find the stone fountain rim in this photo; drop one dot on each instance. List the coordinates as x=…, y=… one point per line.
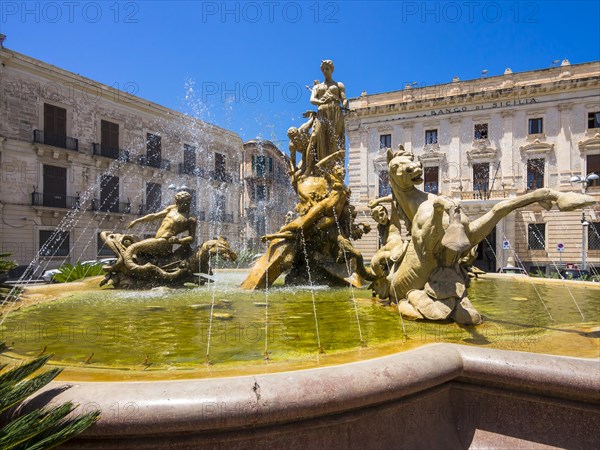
x=172, y=407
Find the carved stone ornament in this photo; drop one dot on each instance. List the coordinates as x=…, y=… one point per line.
x=592, y=143
x=432, y=154
x=536, y=148
x=482, y=150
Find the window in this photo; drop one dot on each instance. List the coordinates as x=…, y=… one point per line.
x=261, y=225
x=54, y=243
x=594, y=236
x=594, y=119
x=385, y=141
x=270, y=165
x=109, y=193
x=219, y=166
x=536, y=236
x=55, y=187
x=261, y=193
x=109, y=139
x=153, y=197
x=153, y=150
x=55, y=126
x=384, y=183
x=102, y=248
x=260, y=165
x=194, y=202
x=481, y=177
x=536, y=126
x=535, y=173
x=481, y=131
x=593, y=166
x=431, y=136
x=431, y=178
x=189, y=159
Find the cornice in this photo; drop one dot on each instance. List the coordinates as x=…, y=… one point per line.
x=492, y=95
x=482, y=151
x=43, y=70
x=589, y=144
x=536, y=147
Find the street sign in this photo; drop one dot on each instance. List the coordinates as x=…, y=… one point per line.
x=560, y=247
x=505, y=245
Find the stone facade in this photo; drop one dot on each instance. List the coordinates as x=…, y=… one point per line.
x=81, y=157
x=487, y=139
x=268, y=194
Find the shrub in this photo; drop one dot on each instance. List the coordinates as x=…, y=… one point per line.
x=41, y=428
x=69, y=272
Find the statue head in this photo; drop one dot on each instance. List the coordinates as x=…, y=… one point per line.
x=380, y=215
x=292, y=132
x=404, y=171
x=183, y=198
x=327, y=65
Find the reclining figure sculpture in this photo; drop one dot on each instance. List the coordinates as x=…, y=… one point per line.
x=145, y=263
x=426, y=274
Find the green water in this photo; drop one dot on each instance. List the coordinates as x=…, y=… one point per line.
x=169, y=329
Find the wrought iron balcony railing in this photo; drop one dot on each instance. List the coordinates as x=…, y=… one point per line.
x=217, y=175
x=54, y=200
x=114, y=206
x=110, y=152
x=56, y=140
x=185, y=169
x=161, y=163
x=220, y=216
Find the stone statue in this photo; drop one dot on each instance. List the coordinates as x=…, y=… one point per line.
x=428, y=275
x=143, y=263
x=329, y=126
x=315, y=246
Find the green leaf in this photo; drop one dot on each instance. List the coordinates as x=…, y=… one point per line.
x=24, y=389
x=24, y=370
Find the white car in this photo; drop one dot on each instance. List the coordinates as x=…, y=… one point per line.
x=48, y=274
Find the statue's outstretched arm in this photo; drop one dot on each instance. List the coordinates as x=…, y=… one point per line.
x=377, y=201
x=149, y=218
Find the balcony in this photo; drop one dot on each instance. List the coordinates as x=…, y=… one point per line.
x=220, y=216
x=54, y=200
x=188, y=170
x=110, y=152
x=217, y=175
x=55, y=140
x=114, y=206
x=482, y=195
x=161, y=163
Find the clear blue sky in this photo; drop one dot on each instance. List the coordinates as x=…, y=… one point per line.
x=244, y=65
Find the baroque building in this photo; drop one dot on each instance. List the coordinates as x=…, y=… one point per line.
x=487, y=139
x=80, y=157
x=268, y=194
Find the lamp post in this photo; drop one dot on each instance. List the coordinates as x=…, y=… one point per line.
x=584, y=223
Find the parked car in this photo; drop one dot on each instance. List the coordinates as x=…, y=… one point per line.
x=574, y=274
x=48, y=274
x=513, y=271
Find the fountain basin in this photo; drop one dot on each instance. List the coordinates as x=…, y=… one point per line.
x=112, y=335
x=437, y=396
x=441, y=395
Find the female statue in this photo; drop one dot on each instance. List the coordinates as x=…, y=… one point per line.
x=329, y=124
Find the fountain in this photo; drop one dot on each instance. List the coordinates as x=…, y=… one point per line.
x=219, y=366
